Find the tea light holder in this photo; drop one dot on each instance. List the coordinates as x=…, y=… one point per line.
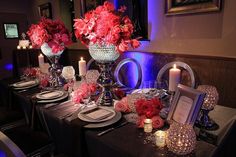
x=210, y=101
x=147, y=125
x=181, y=138
x=160, y=138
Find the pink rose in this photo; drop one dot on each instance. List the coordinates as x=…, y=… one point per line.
x=123, y=106
x=157, y=122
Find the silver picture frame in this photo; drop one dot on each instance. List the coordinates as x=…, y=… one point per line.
x=186, y=105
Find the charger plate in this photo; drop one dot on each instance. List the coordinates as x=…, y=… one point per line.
x=113, y=120
x=25, y=84
x=46, y=95
x=97, y=114
x=64, y=96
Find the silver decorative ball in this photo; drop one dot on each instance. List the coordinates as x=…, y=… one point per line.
x=181, y=138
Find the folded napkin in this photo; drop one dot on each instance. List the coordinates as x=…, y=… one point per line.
x=50, y=94
x=23, y=84
x=97, y=113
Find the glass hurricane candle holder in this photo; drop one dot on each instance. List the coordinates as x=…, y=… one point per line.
x=147, y=125
x=181, y=138
x=210, y=101
x=160, y=138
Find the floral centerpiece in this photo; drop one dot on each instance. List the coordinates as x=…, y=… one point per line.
x=141, y=108
x=107, y=34
x=49, y=34
x=106, y=26
x=52, y=37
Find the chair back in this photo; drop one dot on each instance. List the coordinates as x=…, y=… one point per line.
x=9, y=148
x=179, y=64
x=120, y=65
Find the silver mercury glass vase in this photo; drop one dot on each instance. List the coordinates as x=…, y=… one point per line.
x=104, y=55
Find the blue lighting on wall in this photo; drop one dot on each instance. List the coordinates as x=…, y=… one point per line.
x=146, y=62
x=8, y=67
x=2, y=154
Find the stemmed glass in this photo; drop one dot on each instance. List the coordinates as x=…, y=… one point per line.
x=68, y=72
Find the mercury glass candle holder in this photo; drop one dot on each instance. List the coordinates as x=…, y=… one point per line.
x=181, y=138
x=210, y=101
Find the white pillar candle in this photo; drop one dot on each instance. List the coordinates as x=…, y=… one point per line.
x=18, y=47
x=82, y=67
x=160, y=138
x=40, y=60
x=147, y=125
x=174, y=78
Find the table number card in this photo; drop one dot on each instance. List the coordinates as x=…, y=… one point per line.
x=183, y=108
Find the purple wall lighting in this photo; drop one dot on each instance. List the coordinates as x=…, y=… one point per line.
x=8, y=67
x=147, y=64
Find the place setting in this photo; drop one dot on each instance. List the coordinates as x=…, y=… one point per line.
x=99, y=116
x=50, y=96
x=25, y=84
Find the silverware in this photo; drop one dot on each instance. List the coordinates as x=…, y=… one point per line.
x=111, y=129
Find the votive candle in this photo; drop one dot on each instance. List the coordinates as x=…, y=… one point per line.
x=18, y=47
x=24, y=47
x=174, y=78
x=147, y=125
x=41, y=60
x=160, y=138
x=82, y=67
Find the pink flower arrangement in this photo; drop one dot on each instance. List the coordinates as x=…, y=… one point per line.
x=83, y=91
x=145, y=108
x=104, y=25
x=54, y=33
x=149, y=108
x=123, y=106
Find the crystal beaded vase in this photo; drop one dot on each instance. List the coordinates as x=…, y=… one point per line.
x=55, y=70
x=210, y=101
x=104, y=55
x=181, y=138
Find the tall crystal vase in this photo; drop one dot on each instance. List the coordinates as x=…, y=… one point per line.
x=104, y=55
x=55, y=70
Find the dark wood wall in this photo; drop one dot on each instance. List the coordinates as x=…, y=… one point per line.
x=217, y=71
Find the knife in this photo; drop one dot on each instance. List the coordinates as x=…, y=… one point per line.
x=111, y=129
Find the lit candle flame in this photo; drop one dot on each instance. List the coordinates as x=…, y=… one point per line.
x=174, y=66
x=81, y=58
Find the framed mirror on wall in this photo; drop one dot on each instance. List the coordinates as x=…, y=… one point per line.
x=11, y=30
x=136, y=10
x=175, y=7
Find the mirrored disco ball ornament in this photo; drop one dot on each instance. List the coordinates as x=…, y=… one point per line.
x=210, y=101
x=181, y=138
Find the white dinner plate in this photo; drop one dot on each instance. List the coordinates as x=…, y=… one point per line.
x=97, y=114
x=49, y=94
x=65, y=95
x=115, y=119
x=25, y=84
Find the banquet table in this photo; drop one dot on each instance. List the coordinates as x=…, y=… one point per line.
x=72, y=138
